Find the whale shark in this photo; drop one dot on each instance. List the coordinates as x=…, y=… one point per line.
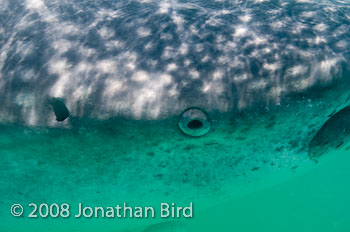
x=144, y=101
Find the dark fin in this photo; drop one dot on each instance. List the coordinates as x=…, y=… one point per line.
x=331, y=114
x=332, y=135
x=340, y=144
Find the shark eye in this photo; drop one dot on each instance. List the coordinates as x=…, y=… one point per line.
x=194, y=122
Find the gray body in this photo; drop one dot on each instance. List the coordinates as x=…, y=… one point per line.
x=153, y=59
x=269, y=74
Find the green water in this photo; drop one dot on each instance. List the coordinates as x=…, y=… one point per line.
x=317, y=200
x=251, y=172
x=91, y=95
x=144, y=163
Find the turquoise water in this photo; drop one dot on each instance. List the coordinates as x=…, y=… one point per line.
x=236, y=111
x=315, y=201
x=266, y=183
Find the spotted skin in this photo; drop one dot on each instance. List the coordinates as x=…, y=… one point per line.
x=268, y=73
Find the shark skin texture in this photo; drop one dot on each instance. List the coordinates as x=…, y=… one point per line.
x=179, y=101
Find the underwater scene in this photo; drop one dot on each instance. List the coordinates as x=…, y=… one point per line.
x=175, y=115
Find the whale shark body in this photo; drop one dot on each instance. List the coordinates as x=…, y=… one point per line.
x=148, y=101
